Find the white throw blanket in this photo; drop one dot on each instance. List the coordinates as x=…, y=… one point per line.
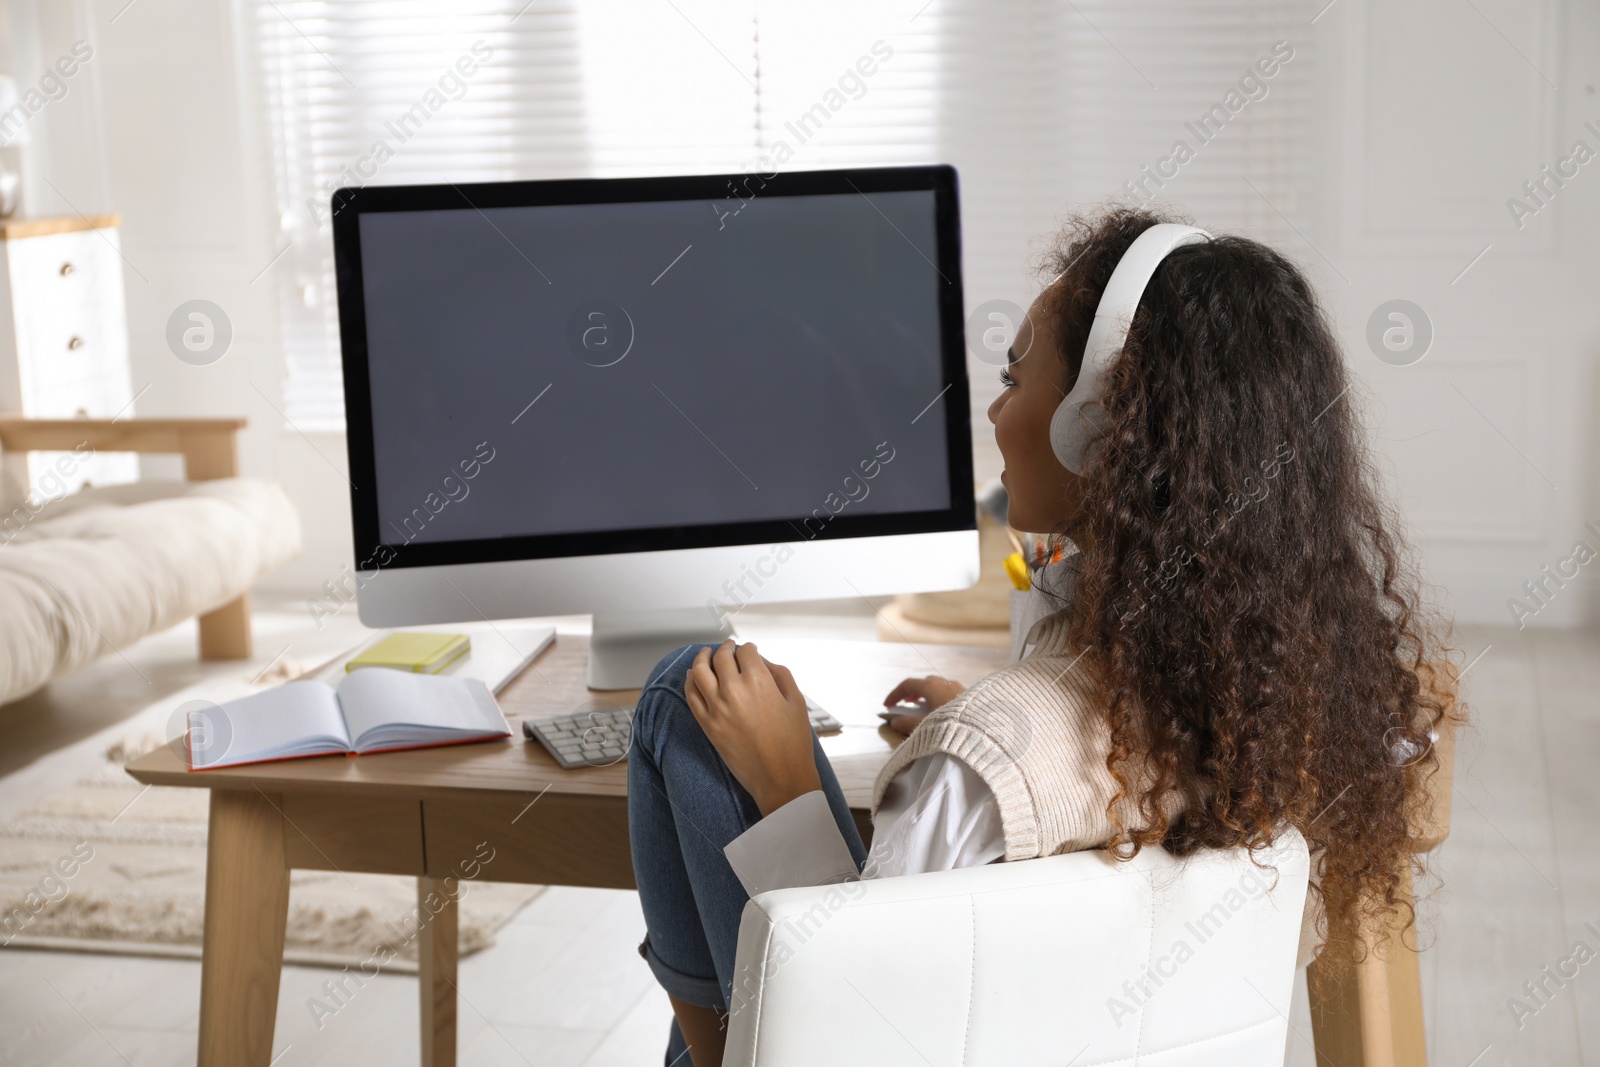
x=104, y=567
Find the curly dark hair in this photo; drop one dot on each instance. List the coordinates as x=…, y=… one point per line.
x=1254, y=618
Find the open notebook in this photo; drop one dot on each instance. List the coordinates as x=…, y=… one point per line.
x=371, y=711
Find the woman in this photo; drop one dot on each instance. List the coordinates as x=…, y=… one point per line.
x=1236, y=644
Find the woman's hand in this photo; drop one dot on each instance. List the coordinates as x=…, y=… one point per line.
x=931, y=692
x=755, y=717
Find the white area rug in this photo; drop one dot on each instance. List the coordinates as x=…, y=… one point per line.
x=97, y=866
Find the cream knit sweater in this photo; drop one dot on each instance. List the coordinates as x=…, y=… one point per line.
x=1036, y=734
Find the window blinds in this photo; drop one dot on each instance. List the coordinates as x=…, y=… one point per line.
x=1043, y=106
x=389, y=92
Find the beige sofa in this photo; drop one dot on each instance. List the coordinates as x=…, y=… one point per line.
x=95, y=571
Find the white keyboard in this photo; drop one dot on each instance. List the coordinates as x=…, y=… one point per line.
x=598, y=737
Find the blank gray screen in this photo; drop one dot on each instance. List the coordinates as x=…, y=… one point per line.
x=741, y=366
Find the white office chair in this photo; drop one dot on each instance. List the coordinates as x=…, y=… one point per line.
x=1065, y=960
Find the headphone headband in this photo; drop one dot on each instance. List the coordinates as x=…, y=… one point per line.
x=1079, y=416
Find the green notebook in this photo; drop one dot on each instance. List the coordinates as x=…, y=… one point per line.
x=418, y=653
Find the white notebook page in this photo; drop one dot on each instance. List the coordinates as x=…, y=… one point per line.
x=375, y=699
x=291, y=718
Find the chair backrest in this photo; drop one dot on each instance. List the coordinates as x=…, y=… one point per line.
x=1071, y=959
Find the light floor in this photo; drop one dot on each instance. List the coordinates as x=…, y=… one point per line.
x=563, y=984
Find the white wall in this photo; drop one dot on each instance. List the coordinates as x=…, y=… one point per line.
x=1427, y=118
x=1433, y=118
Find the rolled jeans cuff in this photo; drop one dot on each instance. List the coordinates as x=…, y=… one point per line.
x=702, y=992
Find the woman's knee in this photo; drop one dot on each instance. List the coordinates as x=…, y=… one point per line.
x=662, y=700
x=671, y=669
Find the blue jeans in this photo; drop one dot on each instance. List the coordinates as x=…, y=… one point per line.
x=684, y=805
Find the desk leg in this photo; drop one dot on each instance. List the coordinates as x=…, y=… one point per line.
x=247, y=908
x=1371, y=1014
x=436, y=972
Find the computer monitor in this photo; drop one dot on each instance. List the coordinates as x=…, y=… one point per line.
x=656, y=400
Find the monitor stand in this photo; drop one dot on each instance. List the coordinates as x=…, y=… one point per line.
x=625, y=645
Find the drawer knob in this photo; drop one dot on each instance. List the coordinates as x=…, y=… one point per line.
x=66, y=269
x=75, y=344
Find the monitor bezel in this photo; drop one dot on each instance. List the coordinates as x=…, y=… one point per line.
x=372, y=551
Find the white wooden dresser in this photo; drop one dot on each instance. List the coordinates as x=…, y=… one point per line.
x=64, y=341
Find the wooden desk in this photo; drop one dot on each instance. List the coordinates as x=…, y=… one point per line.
x=425, y=813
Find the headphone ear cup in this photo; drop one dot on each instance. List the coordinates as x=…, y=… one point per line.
x=1071, y=429
x=1061, y=443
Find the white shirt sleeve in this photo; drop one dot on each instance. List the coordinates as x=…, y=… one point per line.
x=799, y=844
x=936, y=815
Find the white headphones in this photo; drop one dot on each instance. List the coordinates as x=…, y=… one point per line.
x=1079, y=416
